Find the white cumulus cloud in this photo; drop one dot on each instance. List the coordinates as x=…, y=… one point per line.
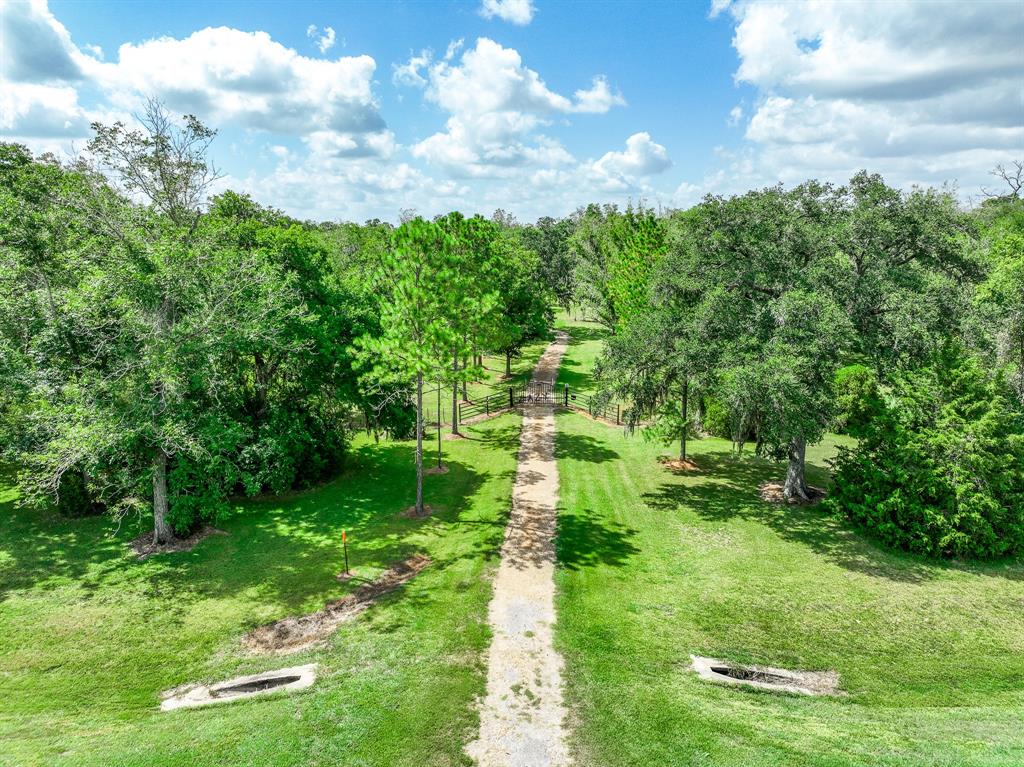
x=497, y=106
x=223, y=75
x=514, y=11
x=324, y=40
x=642, y=157
x=921, y=92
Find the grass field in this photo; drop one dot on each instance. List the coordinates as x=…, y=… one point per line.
x=586, y=340
x=89, y=636
x=654, y=566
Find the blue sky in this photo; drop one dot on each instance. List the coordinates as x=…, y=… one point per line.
x=357, y=110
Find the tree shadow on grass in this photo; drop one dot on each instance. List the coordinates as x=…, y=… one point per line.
x=285, y=550
x=578, y=380
x=579, y=334
x=502, y=438
x=581, y=447
x=43, y=549
x=727, y=488
x=297, y=549
x=586, y=540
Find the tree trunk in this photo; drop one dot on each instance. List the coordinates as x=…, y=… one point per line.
x=439, y=424
x=162, y=532
x=419, y=444
x=795, y=488
x=685, y=413
x=262, y=388
x=508, y=364
x=455, y=394
x=1020, y=373
x=465, y=364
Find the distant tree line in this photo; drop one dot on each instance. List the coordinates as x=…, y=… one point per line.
x=778, y=315
x=162, y=351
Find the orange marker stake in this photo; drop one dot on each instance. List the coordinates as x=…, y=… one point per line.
x=344, y=541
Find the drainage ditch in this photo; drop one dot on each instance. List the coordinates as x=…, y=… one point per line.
x=302, y=631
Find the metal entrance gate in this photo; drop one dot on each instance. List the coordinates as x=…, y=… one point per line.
x=534, y=393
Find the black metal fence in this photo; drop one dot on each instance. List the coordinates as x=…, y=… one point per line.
x=491, y=404
x=517, y=395
x=534, y=393
x=545, y=393
x=598, y=407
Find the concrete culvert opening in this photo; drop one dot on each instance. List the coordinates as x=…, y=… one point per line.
x=239, y=688
x=257, y=685
x=750, y=675
x=767, y=678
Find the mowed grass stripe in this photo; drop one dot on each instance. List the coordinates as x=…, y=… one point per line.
x=655, y=566
x=89, y=636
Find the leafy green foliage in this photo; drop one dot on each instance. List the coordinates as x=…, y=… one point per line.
x=211, y=343
x=997, y=326
x=940, y=469
x=716, y=419
x=523, y=297
x=616, y=254
x=856, y=399
x=771, y=291
x=904, y=259
x=549, y=239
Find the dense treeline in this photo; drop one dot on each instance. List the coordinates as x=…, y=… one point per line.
x=164, y=349
x=778, y=315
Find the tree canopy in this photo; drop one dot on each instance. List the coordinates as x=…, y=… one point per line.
x=164, y=349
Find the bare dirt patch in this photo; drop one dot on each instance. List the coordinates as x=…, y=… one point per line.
x=767, y=677
x=772, y=492
x=410, y=513
x=436, y=470
x=144, y=548
x=299, y=632
x=676, y=464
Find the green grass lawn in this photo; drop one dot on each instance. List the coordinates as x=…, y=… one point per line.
x=654, y=566
x=89, y=636
x=586, y=340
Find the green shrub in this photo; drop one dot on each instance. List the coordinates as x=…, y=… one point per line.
x=74, y=499
x=856, y=399
x=940, y=469
x=292, y=449
x=716, y=419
